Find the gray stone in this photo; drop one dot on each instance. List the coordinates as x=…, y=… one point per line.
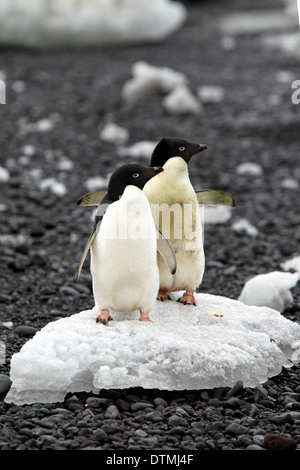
x=139, y=406
x=5, y=384
x=235, y=429
x=112, y=412
x=176, y=420
x=25, y=330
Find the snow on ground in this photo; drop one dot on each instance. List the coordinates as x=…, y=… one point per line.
x=114, y=133
x=148, y=79
x=95, y=183
x=217, y=214
x=88, y=22
x=292, y=264
x=182, y=101
x=244, y=226
x=270, y=290
x=217, y=343
x=249, y=168
x=142, y=149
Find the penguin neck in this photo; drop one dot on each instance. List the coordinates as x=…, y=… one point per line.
x=173, y=182
x=175, y=171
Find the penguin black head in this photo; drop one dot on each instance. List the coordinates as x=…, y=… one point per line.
x=169, y=147
x=130, y=174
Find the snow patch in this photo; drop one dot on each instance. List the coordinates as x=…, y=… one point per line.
x=54, y=186
x=211, y=93
x=244, y=226
x=182, y=101
x=250, y=168
x=96, y=183
x=142, y=149
x=114, y=133
x=290, y=183
x=4, y=175
x=148, y=79
x=292, y=264
x=217, y=214
x=212, y=345
x=270, y=290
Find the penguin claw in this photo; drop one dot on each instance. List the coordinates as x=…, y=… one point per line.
x=103, y=317
x=163, y=296
x=187, y=299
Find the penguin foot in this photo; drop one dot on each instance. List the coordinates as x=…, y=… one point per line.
x=144, y=316
x=162, y=295
x=187, y=298
x=103, y=317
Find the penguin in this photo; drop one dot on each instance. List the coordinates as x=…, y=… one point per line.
x=123, y=247
x=166, y=193
x=172, y=189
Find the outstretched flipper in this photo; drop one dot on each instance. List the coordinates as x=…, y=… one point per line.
x=214, y=197
x=92, y=199
x=166, y=251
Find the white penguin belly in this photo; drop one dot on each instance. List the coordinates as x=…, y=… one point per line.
x=184, y=233
x=190, y=260
x=124, y=269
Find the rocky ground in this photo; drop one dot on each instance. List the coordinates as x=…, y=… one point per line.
x=42, y=233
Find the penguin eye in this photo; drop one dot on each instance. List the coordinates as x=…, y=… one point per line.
x=181, y=149
x=135, y=175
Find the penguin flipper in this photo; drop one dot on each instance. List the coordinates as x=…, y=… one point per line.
x=213, y=197
x=85, y=251
x=166, y=251
x=91, y=199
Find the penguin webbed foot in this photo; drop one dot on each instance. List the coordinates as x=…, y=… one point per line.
x=187, y=298
x=162, y=295
x=103, y=317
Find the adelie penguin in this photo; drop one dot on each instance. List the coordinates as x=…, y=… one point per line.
x=174, y=155
x=175, y=209
x=123, y=246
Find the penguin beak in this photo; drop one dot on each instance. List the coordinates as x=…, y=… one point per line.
x=158, y=169
x=193, y=150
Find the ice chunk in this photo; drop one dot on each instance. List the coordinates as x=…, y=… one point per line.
x=148, y=79
x=182, y=101
x=289, y=183
x=249, y=168
x=51, y=184
x=65, y=164
x=112, y=132
x=215, y=344
x=243, y=225
x=29, y=150
x=4, y=174
x=291, y=264
x=43, y=23
x=142, y=149
x=217, y=214
x=95, y=183
x=270, y=290
x=211, y=93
